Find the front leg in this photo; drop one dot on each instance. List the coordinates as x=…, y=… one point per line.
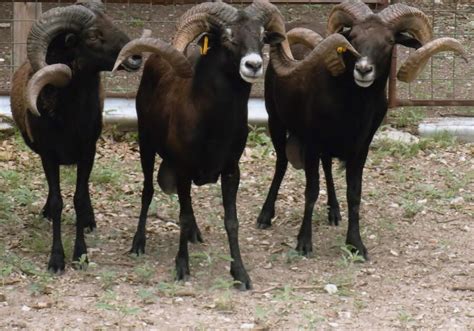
x=305, y=243
x=55, y=205
x=230, y=184
x=354, y=170
x=82, y=204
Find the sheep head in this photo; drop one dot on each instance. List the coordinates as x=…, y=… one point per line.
x=64, y=40
x=372, y=37
x=242, y=33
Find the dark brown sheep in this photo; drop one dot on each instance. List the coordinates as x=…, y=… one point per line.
x=195, y=115
x=57, y=102
x=331, y=103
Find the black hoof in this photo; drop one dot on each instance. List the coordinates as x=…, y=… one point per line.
x=305, y=247
x=242, y=279
x=138, y=245
x=56, y=263
x=195, y=235
x=182, y=269
x=358, y=248
x=264, y=220
x=90, y=226
x=334, y=216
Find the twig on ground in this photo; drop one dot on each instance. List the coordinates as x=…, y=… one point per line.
x=463, y=288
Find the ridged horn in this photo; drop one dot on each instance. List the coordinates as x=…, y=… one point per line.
x=306, y=37
x=199, y=19
x=328, y=50
x=346, y=14
x=96, y=5
x=271, y=18
x=175, y=58
x=53, y=22
x=57, y=75
x=418, y=59
x=404, y=18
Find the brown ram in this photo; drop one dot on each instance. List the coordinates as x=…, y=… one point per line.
x=195, y=115
x=331, y=103
x=57, y=102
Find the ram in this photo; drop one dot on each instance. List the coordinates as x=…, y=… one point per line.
x=57, y=102
x=330, y=104
x=195, y=115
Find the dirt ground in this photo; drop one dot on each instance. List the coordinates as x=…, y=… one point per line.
x=417, y=222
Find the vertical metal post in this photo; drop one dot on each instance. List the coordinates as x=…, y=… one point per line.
x=392, y=81
x=24, y=13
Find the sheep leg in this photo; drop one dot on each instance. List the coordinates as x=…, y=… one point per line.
x=186, y=221
x=55, y=201
x=83, y=206
x=278, y=135
x=147, y=159
x=305, y=243
x=354, y=170
x=46, y=212
x=230, y=184
x=334, y=213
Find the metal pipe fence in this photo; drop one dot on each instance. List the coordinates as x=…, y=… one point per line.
x=446, y=81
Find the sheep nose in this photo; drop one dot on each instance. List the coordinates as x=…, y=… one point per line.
x=363, y=68
x=253, y=64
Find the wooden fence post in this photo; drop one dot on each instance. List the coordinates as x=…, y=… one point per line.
x=24, y=14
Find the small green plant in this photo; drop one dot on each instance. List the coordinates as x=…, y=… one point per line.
x=107, y=279
x=350, y=256
x=168, y=289
x=144, y=272
x=146, y=296
x=82, y=263
x=293, y=256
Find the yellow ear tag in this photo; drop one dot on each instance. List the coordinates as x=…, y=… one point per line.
x=341, y=50
x=205, y=46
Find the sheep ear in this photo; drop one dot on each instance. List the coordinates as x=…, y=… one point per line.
x=273, y=38
x=407, y=40
x=70, y=40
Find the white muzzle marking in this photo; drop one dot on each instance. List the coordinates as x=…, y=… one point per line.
x=251, y=67
x=364, y=72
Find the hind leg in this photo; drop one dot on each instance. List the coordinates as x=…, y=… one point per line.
x=278, y=135
x=147, y=160
x=82, y=204
x=167, y=180
x=334, y=213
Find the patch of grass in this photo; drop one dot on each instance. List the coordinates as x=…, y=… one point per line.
x=146, y=296
x=144, y=273
x=411, y=208
x=106, y=174
x=110, y=301
x=259, y=139
x=350, y=256
x=168, y=289
x=406, y=117
x=107, y=279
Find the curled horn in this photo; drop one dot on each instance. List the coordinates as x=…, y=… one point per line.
x=304, y=36
x=200, y=19
x=327, y=50
x=346, y=14
x=53, y=22
x=404, y=18
x=418, y=59
x=272, y=20
x=57, y=75
x=145, y=44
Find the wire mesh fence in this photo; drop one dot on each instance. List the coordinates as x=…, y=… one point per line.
x=447, y=80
